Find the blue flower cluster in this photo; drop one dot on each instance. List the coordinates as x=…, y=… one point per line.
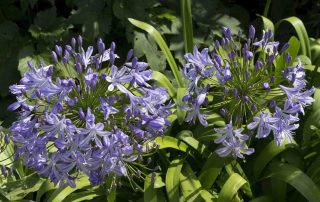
x=87, y=115
x=241, y=77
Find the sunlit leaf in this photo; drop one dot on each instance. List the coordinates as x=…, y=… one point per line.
x=231, y=187
x=301, y=33
x=173, y=180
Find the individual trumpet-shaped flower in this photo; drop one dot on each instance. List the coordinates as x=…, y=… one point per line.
x=264, y=123
x=233, y=141
x=283, y=128
x=92, y=131
x=234, y=147
x=117, y=78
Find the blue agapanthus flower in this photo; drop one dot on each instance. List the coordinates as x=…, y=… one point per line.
x=250, y=94
x=85, y=114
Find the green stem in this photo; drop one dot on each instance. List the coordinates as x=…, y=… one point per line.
x=187, y=24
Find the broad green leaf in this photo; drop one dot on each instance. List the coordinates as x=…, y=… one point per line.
x=314, y=171
x=181, y=114
x=280, y=62
x=191, y=186
x=171, y=142
x=45, y=187
x=111, y=192
x=211, y=169
x=35, y=59
x=48, y=26
x=146, y=46
x=158, y=182
x=187, y=137
x=7, y=155
x=296, y=178
x=151, y=193
x=207, y=133
x=187, y=25
x=83, y=196
x=62, y=192
x=17, y=190
x=267, y=154
x=94, y=17
x=231, y=187
x=235, y=167
x=163, y=46
x=315, y=51
x=3, y=198
x=301, y=33
x=173, y=180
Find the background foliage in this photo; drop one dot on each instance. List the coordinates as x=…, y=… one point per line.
x=190, y=170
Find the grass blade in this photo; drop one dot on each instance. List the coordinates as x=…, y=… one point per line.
x=163, y=46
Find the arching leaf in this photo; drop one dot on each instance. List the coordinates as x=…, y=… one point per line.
x=173, y=180
x=296, y=178
x=231, y=187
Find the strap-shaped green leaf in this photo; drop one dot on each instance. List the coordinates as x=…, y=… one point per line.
x=163, y=81
x=296, y=178
x=231, y=187
x=187, y=25
x=187, y=137
x=211, y=170
x=17, y=190
x=267, y=24
x=191, y=186
x=163, y=46
x=313, y=118
x=301, y=33
x=171, y=142
x=267, y=154
x=46, y=186
x=151, y=191
x=180, y=112
x=173, y=180
x=61, y=193
x=84, y=196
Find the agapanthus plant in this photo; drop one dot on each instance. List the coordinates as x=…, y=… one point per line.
x=86, y=114
x=248, y=89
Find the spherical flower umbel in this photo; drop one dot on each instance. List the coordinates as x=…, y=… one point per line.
x=87, y=115
x=256, y=88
